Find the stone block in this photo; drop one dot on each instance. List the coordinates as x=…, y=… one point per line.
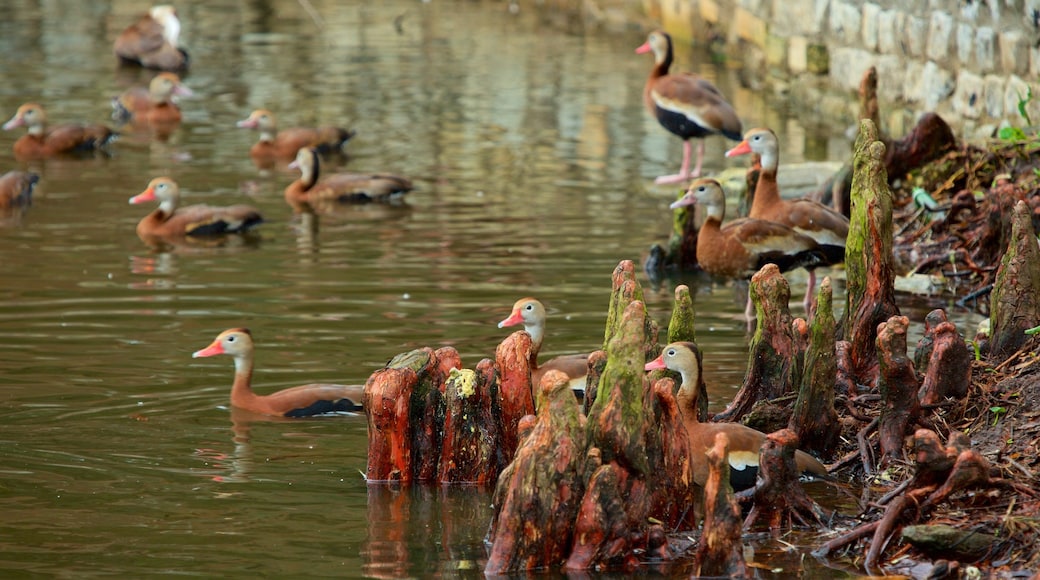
x=749, y=27
x=940, y=36
x=845, y=21
x=792, y=17
x=1018, y=90
x=797, y=55
x=776, y=50
x=889, y=70
x=985, y=43
x=870, y=22
x=969, y=98
x=818, y=59
x=916, y=33
x=965, y=43
x=820, y=13
x=890, y=23
x=994, y=90
x=709, y=11
x=1014, y=52
x=913, y=87
x=1034, y=61
x=928, y=84
x=848, y=66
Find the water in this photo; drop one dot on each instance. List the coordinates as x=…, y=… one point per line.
x=533, y=160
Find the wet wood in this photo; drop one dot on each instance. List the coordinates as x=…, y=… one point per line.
x=721, y=550
x=426, y=417
x=470, y=453
x=944, y=359
x=943, y=541
x=772, y=347
x=681, y=329
x=537, y=497
x=870, y=292
x=814, y=419
x=515, y=398
x=1015, y=300
x=387, y=403
x=779, y=498
x=898, y=386
x=597, y=362
x=674, y=495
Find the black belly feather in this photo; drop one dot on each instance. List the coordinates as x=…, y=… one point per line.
x=323, y=407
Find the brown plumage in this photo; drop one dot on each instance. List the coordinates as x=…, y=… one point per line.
x=744, y=442
x=821, y=223
x=301, y=401
x=311, y=190
x=169, y=223
x=743, y=246
x=153, y=105
x=43, y=141
x=16, y=188
x=531, y=313
x=688, y=106
x=153, y=41
x=279, y=145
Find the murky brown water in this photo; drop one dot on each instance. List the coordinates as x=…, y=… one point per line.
x=533, y=160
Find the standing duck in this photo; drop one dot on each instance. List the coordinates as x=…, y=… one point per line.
x=821, y=223
x=686, y=105
x=16, y=189
x=743, y=246
x=531, y=313
x=744, y=442
x=152, y=41
x=275, y=145
x=310, y=190
x=153, y=105
x=302, y=401
x=169, y=222
x=43, y=141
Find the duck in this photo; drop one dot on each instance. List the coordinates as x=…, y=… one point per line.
x=743, y=246
x=170, y=222
x=311, y=190
x=744, y=442
x=153, y=41
x=687, y=105
x=42, y=141
x=16, y=189
x=531, y=313
x=302, y=401
x=275, y=144
x=153, y=105
x=827, y=227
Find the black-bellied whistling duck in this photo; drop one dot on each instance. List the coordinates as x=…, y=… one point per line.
x=153, y=105
x=311, y=191
x=744, y=442
x=170, y=222
x=16, y=188
x=686, y=105
x=43, y=141
x=531, y=313
x=821, y=223
x=743, y=246
x=275, y=144
x=301, y=401
x=152, y=41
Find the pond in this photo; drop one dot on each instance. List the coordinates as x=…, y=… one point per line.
x=533, y=161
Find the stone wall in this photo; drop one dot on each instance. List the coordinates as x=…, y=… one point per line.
x=969, y=60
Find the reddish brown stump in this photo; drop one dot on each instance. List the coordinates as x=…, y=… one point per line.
x=515, y=399
x=674, y=494
x=898, y=386
x=386, y=402
x=538, y=494
x=945, y=361
x=814, y=420
x=779, y=497
x=1015, y=300
x=772, y=348
x=427, y=412
x=470, y=453
x=681, y=329
x=720, y=551
x=870, y=291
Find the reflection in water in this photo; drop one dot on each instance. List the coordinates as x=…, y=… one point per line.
x=419, y=530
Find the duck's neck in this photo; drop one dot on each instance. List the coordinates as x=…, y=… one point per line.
x=537, y=333
x=241, y=389
x=267, y=135
x=309, y=173
x=36, y=130
x=766, y=190
x=687, y=395
x=662, y=62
